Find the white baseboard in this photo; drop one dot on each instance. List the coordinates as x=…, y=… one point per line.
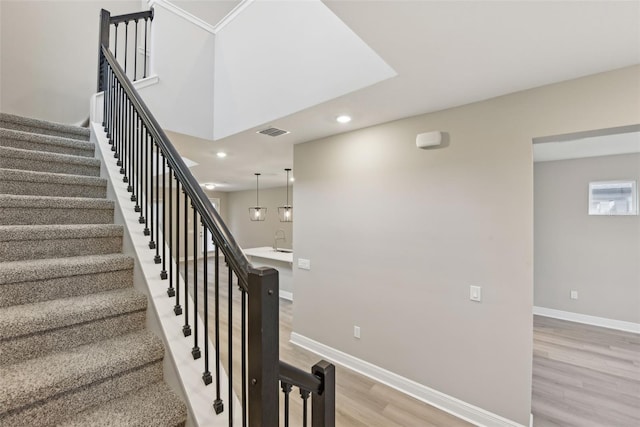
x=589, y=320
x=286, y=295
x=450, y=404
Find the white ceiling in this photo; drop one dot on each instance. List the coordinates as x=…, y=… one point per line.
x=446, y=54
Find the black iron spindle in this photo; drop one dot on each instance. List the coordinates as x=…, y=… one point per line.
x=165, y=169
x=135, y=53
x=186, y=328
x=156, y=245
x=144, y=72
x=144, y=212
x=218, y=406
x=139, y=163
x=171, y=291
x=304, y=394
x=115, y=52
x=151, y=223
x=195, y=351
x=286, y=389
x=177, y=309
x=206, y=375
x=126, y=44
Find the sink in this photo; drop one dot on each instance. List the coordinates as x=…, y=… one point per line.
x=287, y=251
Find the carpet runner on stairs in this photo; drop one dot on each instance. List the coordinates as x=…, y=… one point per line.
x=74, y=350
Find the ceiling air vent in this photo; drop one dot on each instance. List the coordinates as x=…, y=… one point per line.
x=273, y=132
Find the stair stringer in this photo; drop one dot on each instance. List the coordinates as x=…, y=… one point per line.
x=181, y=372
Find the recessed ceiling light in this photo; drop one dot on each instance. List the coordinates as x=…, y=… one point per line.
x=292, y=179
x=343, y=119
x=209, y=186
x=221, y=154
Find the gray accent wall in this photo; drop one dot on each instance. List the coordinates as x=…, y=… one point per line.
x=598, y=256
x=254, y=234
x=396, y=235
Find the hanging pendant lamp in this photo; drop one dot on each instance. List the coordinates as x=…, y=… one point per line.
x=257, y=213
x=286, y=212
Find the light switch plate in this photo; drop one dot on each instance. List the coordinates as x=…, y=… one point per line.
x=304, y=264
x=475, y=293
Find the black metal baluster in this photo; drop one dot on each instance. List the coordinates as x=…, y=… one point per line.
x=206, y=375
x=230, y=342
x=195, y=351
x=130, y=147
x=218, y=406
x=116, y=121
x=156, y=244
x=143, y=219
x=126, y=149
x=126, y=45
x=135, y=54
x=154, y=146
x=286, y=389
x=165, y=169
x=186, y=328
x=115, y=51
x=171, y=291
x=177, y=309
x=138, y=163
x=118, y=153
x=304, y=394
x=144, y=72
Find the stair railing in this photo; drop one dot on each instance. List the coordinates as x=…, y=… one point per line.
x=153, y=171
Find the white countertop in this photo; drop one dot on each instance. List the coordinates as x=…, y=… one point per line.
x=268, y=252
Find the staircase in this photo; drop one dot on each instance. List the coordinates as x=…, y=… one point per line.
x=74, y=350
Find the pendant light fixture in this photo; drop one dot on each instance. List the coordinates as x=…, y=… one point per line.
x=286, y=212
x=257, y=213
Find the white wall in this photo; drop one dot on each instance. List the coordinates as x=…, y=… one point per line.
x=252, y=234
x=396, y=236
x=182, y=57
x=596, y=255
x=49, y=51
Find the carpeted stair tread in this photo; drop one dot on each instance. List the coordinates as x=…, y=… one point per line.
x=60, y=231
x=27, y=124
x=153, y=406
x=27, y=209
x=47, y=143
x=15, y=181
x=33, y=381
x=24, y=282
x=35, y=318
x=41, y=269
x=23, y=242
x=16, y=158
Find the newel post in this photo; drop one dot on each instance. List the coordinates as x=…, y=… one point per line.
x=264, y=357
x=323, y=404
x=103, y=40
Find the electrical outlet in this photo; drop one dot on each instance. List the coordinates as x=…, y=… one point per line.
x=574, y=294
x=356, y=331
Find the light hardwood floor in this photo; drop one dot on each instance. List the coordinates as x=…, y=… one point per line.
x=584, y=376
x=360, y=401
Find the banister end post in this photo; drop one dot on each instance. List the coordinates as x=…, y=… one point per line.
x=323, y=404
x=264, y=356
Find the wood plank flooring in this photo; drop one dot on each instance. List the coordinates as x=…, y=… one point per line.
x=584, y=376
x=360, y=401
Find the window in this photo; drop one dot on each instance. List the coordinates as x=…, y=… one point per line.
x=613, y=198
